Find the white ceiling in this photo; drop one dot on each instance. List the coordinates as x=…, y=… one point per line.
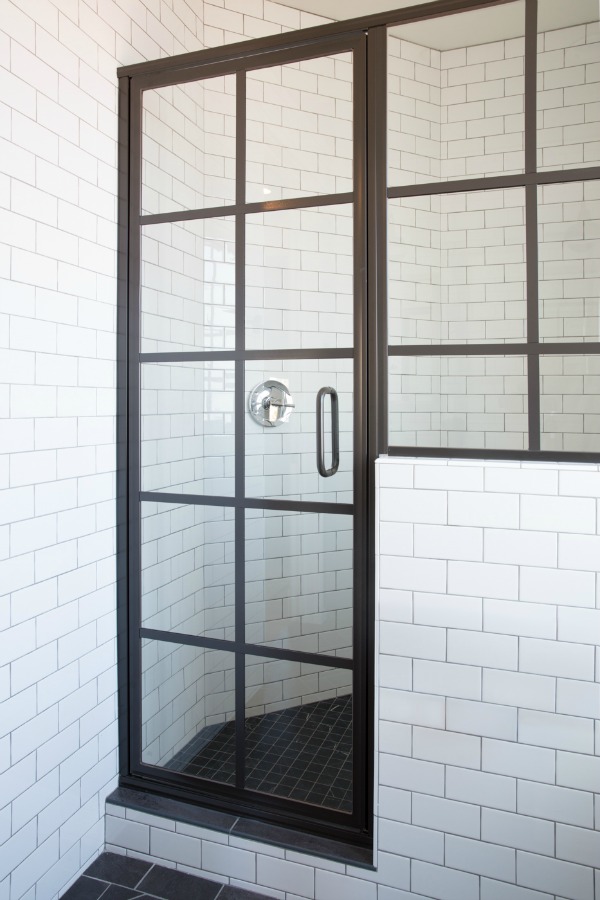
x=464, y=29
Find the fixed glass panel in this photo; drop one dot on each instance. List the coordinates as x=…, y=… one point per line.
x=458, y=401
x=188, y=701
x=570, y=403
x=299, y=572
x=568, y=64
x=299, y=129
x=187, y=427
x=188, y=146
x=456, y=96
x=456, y=270
x=188, y=569
x=299, y=278
x=569, y=267
x=187, y=286
x=281, y=461
x=298, y=739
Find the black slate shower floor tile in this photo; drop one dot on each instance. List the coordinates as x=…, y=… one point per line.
x=85, y=889
x=168, y=884
x=303, y=752
x=118, y=869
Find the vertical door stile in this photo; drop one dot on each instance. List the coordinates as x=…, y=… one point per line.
x=240, y=412
x=133, y=387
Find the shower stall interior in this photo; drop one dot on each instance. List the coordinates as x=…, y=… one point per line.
x=295, y=210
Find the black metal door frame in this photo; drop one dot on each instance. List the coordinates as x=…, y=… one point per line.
x=355, y=826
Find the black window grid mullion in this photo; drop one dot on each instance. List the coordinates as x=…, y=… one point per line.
x=261, y=650
x=240, y=436
x=531, y=227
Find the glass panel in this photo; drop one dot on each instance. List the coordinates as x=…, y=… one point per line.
x=569, y=267
x=299, y=129
x=188, y=569
x=458, y=401
x=188, y=146
x=455, y=96
x=187, y=428
x=457, y=271
x=570, y=403
x=299, y=732
x=299, y=279
x=568, y=101
x=281, y=461
x=188, y=701
x=187, y=286
x=299, y=581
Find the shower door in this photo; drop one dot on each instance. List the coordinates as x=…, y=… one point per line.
x=248, y=533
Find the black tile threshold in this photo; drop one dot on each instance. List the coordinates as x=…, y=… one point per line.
x=115, y=877
x=253, y=829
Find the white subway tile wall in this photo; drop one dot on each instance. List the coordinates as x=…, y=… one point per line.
x=456, y=113
x=458, y=401
x=299, y=581
x=181, y=168
x=187, y=290
x=299, y=131
x=568, y=76
x=187, y=563
x=299, y=277
x=568, y=218
x=570, y=402
x=457, y=268
x=187, y=428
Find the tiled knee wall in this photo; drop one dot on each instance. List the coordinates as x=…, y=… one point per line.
x=488, y=671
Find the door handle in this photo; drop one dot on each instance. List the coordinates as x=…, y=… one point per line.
x=335, y=432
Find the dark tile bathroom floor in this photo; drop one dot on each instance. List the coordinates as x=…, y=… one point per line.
x=114, y=877
x=304, y=752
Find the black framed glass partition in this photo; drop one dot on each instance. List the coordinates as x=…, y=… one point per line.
x=493, y=164
x=369, y=237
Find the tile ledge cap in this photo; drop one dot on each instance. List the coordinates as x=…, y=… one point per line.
x=242, y=827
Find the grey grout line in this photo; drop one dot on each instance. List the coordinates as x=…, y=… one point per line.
x=152, y=866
